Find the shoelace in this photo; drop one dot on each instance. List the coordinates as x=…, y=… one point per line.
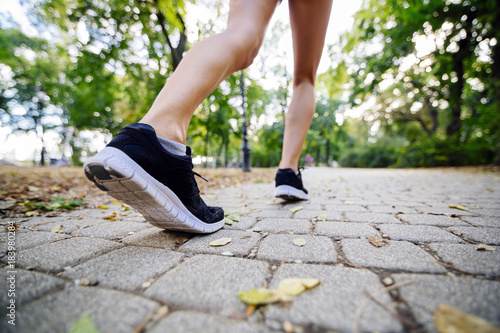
x=197, y=174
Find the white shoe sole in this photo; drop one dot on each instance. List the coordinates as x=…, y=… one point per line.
x=113, y=171
x=288, y=192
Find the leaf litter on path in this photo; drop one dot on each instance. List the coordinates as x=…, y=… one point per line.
x=286, y=289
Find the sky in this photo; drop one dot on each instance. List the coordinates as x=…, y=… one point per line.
x=25, y=146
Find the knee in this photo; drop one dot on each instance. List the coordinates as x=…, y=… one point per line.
x=246, y=45
x=304, y=77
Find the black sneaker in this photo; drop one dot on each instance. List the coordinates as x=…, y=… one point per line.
x=289, y=185
x=135, y=168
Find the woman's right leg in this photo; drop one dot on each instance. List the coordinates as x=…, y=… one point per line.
x=207, y=64
x=136, y=168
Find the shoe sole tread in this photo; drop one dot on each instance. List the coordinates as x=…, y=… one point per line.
x=113, y=171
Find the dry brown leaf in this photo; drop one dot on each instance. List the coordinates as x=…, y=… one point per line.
x=288, y=327
x=448, y=319
x=377, y=240
x=162, y=312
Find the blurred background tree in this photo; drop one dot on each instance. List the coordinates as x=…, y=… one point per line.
x=410, y=84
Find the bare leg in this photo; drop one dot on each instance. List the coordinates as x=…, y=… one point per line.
x=207, y=64
x=309, y=20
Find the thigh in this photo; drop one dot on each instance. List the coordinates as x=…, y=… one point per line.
x=309, y=21
x=250, y=17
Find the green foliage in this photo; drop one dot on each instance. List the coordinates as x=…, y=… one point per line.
x=431, y=66
x=56, y=203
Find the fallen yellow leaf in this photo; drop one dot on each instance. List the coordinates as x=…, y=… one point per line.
x=322, y=217
x=448, y=319
x=296, y=286
x=460, y=208
x=102, y=207
x=484, y=247
x=299, y=241
x=262, y=296
x=296, y=209
x=220, y=242
x=56, y=229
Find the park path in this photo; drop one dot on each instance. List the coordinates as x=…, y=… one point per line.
x=124, y=273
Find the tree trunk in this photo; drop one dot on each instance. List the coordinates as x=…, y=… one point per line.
x=456, y=90
x=176, y=51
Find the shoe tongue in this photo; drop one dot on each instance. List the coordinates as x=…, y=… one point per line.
x=188, y=150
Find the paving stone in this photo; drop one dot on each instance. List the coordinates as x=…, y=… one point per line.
x=29, y=286
x=391, y=209
x=345, y=229
x=482, y=235
x=345, y=208
x=245, y=223
x=25, y=240
x=69, y=224
x=189, y=321
x=371, y=218
x=307, y=205
x=111, y=230
x=427, y=292
x=395, y=255
x=264, y=206
x=487, y=212
x=282, y=248
x=401, y=202
x=483, y=221
x=241, y=243
x=68, y=252
x=312, y=214
x=156, y=237
x=298, y=226
x=418, y=233
x=437, y=220
x=209, y=283
x=126, y=268
x=285, y=214
x=111, y=311
x=465, y=257
x=444, y=210
x=333, y=304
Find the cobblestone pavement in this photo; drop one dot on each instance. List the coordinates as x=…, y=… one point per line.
x=134, y=269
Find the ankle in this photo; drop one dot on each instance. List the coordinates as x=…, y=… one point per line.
x=284, y=165
x=170, y=132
